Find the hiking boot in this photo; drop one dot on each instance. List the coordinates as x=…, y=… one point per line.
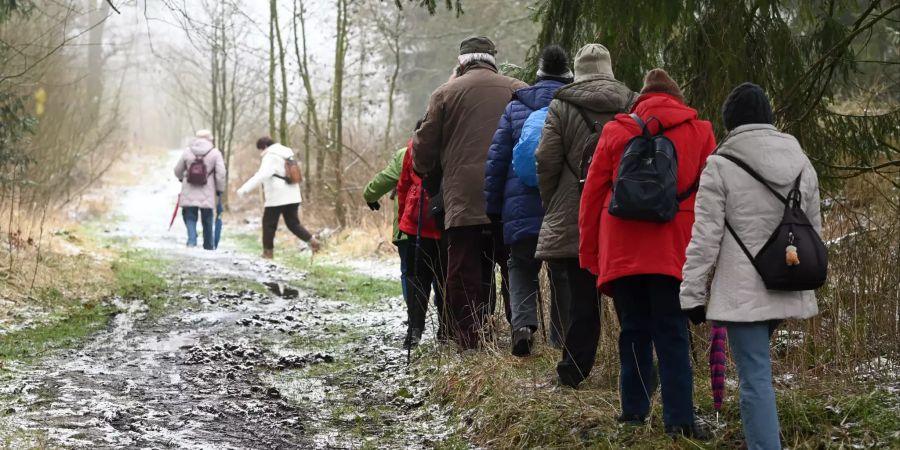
x=413, y=338
x=314, y=245
x=631, y=420
x=698, y=430
x=268, y=254
x=521, y=341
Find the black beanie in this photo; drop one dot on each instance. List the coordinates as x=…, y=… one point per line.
x=554, y=63
x=747, y=103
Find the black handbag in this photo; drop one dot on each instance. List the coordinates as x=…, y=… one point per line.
x=794, y=258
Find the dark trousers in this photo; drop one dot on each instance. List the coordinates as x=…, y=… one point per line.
x=650, y=314
x=471, y=290
x=560, y=299
x=190, y=215
x=426, y=265
x=583, y=332
x=524, y=284
x=291, y=219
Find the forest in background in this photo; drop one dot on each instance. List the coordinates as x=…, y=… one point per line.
x=85, y=82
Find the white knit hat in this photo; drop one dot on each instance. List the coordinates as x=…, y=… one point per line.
x=204, y=134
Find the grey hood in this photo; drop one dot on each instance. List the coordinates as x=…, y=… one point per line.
x=776, y=156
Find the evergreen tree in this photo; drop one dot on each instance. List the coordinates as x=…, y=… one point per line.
x=829, y=67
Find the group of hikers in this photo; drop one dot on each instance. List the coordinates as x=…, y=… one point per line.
x=201, y=171
x=620, y=193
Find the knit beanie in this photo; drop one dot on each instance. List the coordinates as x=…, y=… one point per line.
x=657, y=80
x=747, y=103
x=204, y=134
x=554, y=63
x=592, y=59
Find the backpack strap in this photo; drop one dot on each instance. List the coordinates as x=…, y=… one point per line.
x=740, y=244
x=758, y=177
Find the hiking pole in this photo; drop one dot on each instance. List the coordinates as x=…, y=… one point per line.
x=417, y=251
x=540, y=302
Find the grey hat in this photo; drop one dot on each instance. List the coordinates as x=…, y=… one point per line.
x=592, y=59
x=477, y=44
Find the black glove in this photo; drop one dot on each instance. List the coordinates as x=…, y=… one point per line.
x=374, y=206
x=697, y=314
x=219, y=193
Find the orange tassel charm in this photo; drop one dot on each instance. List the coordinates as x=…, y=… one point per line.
x=791, y=257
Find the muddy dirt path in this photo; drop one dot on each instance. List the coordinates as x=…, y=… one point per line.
x=241, y=360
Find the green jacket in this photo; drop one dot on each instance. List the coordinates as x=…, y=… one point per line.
x=384, y=182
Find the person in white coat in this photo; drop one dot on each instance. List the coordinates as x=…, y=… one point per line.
x=199, y=197
x=282, y=199
x=738, y=298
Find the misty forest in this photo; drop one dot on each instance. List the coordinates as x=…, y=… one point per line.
x=299, y=224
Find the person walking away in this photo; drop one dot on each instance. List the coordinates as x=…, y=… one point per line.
x=574, y=121
x=201, y=171
x=516, y=204
x=730, y=196
x=637, y=260
x=282, y=197
x=381, y=184
x=426, y=256
x=453, y=141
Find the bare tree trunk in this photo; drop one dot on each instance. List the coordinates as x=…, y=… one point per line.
x=282, y=119
x=273, y=16
x=312, y=119
x=99, y=9
x=337, y=147
x=394, y=45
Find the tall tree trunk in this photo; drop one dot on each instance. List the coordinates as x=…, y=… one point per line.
x=394, y=45
x=312, y=119
x=273, y=16
x=337, y=147
x=99, y=9
x=282, y=119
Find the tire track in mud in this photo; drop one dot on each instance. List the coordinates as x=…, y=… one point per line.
x=232, y=367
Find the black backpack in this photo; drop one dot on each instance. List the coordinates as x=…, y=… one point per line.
x=646, y=185
x=794, y=258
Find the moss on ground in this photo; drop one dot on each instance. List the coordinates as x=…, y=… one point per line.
x=136, y=275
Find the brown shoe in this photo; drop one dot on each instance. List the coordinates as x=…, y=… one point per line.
x=314, y=245
x=268, y=253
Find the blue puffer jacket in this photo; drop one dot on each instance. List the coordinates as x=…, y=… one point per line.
x=518, y=205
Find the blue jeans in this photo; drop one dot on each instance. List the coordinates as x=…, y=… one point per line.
x=650, y=314
x=749, y=342
x=189, y=214
x=524, y=286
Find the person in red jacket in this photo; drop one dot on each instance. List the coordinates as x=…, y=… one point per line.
x=639, y=263
x=426, y=256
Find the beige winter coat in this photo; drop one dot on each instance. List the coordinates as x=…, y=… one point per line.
x=728, y=192
x=276, y=190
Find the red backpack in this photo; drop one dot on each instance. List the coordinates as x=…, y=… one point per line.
x=197, y=174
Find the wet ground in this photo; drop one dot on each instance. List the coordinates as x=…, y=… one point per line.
x=242, y=359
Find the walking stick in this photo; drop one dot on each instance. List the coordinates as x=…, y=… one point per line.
x=540, y=302
x=416, y=255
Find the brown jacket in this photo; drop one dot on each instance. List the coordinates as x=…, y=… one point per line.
x=559, y=156
x=456, y=134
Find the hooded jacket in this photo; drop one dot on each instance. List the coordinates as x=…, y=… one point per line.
x=412, y=198
x=518, y=205
x=455, y=136
x=384, y=182
x=559, y=154
x=276, y=190
x=611, y=247
x=201, y=196
x=727, y=192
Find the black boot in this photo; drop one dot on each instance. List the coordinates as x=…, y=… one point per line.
x=521, y=341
